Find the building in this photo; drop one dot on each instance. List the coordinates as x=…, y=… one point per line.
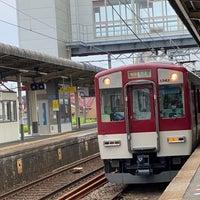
x=87, y=106
x=44, y=26
x=54, y=27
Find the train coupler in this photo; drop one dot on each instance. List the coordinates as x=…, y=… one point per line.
x=143, y=166
x=144, y=172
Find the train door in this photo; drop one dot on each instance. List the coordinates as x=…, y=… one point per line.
x=43, y=117
x=142, y=118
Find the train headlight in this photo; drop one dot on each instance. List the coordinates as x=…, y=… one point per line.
x=106, y=81
x=173, y=76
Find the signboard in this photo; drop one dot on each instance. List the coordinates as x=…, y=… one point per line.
x=55, y=105
x=84, y=91
x=68, y=89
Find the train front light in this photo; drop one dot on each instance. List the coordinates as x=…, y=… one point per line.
x=173, y=76
x=106, y=81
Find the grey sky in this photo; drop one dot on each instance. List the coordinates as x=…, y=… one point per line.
x=8, y=23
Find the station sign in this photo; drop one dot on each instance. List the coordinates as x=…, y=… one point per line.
x=38, y=86
x=68, y=89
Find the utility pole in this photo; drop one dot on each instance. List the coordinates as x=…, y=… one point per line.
x=109, y=61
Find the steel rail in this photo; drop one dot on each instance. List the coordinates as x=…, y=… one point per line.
x=85, y=188
x=54, y=173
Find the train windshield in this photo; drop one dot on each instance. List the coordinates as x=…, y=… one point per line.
x=112, y=108
x=171, y=101
x=141, y=104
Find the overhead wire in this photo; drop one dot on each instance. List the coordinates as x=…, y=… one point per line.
x=142, y=22
x=40, y=33
x=57, y=39
x=29, y=29
x=139, y=19
x=36, y=19
x=135, y=34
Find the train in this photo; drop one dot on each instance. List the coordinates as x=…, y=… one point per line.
x=148, y=121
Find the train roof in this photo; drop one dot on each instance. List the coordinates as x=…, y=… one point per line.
x=152, y=65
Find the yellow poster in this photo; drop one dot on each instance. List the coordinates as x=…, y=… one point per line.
x=55, y=105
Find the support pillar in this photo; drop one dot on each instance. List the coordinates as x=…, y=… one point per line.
x=33, y=108
x=20, y=106
x=78, y=124
x=109, y=61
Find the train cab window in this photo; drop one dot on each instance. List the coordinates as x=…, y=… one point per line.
x=171, y=101
x=112, y=108
x=141, y=104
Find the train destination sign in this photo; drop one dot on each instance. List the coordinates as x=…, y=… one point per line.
x=139, y=74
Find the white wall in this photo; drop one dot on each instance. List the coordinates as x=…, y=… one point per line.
x=43, y=26
x=10, y=130
x=82, y=20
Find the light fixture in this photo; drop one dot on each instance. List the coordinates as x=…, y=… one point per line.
x=173, y=76
x=106, y=81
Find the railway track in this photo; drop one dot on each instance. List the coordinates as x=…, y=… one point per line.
x=59, y=182
x=85, y=188
x=113, y=191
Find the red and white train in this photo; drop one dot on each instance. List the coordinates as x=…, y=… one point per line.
x=148, y=121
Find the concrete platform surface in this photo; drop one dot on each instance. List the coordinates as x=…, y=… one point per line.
x=24, y=161
x=186, y=184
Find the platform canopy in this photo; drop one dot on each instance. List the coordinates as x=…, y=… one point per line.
x=35, y=66
x=189, y=13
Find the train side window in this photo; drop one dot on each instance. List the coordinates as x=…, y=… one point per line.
x=112, y=108
x=171, y=101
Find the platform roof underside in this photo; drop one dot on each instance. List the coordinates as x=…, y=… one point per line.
x=35, y=66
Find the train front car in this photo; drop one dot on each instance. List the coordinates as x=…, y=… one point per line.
x=147, y=121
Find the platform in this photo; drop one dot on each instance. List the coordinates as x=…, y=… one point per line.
x=25, y=161
x=186, y=184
